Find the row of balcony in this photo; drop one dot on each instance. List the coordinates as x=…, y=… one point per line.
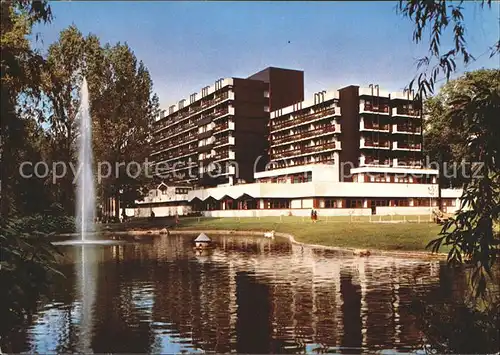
x=405, y=111
x=406, y=146
x=192, y=123
x=194, y=110
x=224, y=140
x=224, y=126
x=170, y=144
x=407, y=128
x=389, y=162
x=178, y=153
x=381, y=108
x=224, y=154
x=224, y=170
x=385, y=110
x=374, y=144
x=373, y=126
x=177, y=130
x=304, y=118
x=324, y=159
x=213, y=115
x=305, y=150
x=305, y=134
x=386, y=144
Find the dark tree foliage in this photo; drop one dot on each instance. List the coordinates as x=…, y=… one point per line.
x=438, y=18
x=473, y=233
x=27, y=263
x=25, y=259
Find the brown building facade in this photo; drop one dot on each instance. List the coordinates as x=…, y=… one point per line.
x=220, y=134
x=353, y=127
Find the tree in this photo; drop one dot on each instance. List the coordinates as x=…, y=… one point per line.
x=66, y=65
x=19, y=70
x=25, y=259
x=123, y=109
x=472, y=233
x=437, y=18
x=31, y=195
x=444, y=141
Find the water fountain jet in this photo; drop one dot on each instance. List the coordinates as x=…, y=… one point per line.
x=85, y=189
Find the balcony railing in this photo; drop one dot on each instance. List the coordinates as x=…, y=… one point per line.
x=170, y=144
x=376, y=126
x=175, y=130
x=224, y=154
x=221, y=127
x=376, y=144
x=193, y=111
x=409, y=164
x=302, y=119
x=304, y=150
x=304, y=134
x=408, y=128
x=221, y=112
x=376, y=162
x=224, y=140
x=407, y=145
x=405, y=111
x=177, y=153
x=329, y=159
x=376, y=108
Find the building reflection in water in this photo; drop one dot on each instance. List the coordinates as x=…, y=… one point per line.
x=249, y=295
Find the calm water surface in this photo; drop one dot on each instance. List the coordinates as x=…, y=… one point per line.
x=249, y=295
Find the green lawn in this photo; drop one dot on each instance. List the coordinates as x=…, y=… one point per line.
x=334, y=231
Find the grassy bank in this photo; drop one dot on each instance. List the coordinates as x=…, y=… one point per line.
x=334, y=231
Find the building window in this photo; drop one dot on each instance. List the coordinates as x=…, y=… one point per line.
x=449, y=202
x=401, y=202
x=354, y=203
x=277, y=204
x=308, y=177
x=380, y=203
x=330, y=203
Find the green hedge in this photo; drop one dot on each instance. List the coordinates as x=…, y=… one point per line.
x=45, y=224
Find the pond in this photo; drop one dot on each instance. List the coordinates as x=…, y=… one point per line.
x=248, y=295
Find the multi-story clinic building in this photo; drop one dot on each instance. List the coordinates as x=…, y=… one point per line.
x=265, y=137
x=357, y=130
x=225, y=123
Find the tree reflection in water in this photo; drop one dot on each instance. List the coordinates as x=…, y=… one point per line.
x=254, y=295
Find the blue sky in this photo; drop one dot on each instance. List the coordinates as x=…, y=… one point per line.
x=188, y=45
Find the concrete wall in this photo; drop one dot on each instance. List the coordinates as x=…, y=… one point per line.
x=310, y=189
x=162, y=211
x=296, y=204
x=384, y=210
x=283, y=212
x=307, y=203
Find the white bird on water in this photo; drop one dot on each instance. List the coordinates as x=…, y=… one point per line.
x=269, y=234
